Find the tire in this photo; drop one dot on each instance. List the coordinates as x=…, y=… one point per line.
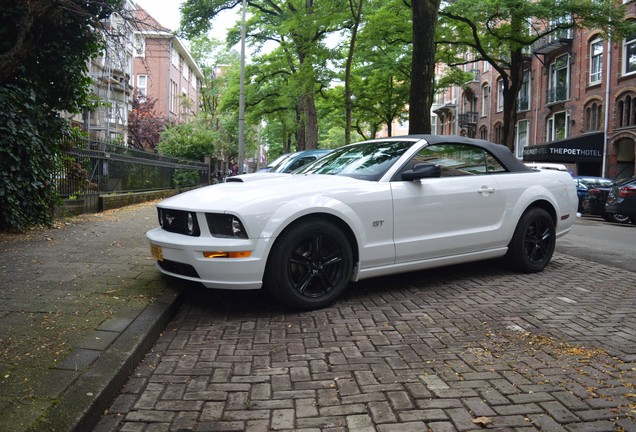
x=533, y=241
x=310, y=265
x=618, y=218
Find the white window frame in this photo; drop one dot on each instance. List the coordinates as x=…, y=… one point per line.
x=485, y=100
x=174, y=57
x=629, y=45
x=551, y=130
x=142, y=86
x=500, y=95
x=596, y=61
x=555, y=73
x=522, y=130
x=525, y=90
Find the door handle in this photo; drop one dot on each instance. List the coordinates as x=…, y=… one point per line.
x=485, y=191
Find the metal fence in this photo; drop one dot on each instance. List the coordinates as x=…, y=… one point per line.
x=90, y=166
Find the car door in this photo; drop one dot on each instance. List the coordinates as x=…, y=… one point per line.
x=457, y=213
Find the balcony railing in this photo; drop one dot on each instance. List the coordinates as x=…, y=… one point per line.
x=557, y=94
x=467, y=119
x=553, y=41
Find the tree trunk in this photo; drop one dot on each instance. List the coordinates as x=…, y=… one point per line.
x=423, y=65
x=512, y=85
x=356, y=13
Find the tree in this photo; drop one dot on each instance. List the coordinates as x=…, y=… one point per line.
x=193, y=140
x=298, y=27
x=500, y=32
x=423, y=65
x=44, y=49
x=144, y=126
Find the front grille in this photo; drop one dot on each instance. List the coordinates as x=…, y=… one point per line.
x=176, y=221
x=179, y=268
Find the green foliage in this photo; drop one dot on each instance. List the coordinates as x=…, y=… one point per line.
x=44, y=49
x=27, y=150
x=185, y=178
x=192, y=140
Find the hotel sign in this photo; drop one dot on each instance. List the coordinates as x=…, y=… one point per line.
x=585, y=148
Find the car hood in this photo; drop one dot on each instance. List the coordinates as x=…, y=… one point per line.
x=261, y=190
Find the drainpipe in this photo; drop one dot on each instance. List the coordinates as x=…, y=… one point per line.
x=607, y=103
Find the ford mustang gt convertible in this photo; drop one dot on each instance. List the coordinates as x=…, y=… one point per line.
x=368, y=209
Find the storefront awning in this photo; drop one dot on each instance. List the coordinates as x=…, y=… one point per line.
x=584, y=148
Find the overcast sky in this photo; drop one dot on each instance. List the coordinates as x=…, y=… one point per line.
x=168, y=14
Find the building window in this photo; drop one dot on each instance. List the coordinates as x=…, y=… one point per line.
x=593, y=114
x=500, y=94
x=558, y=126
x=483, y=133
x=485, y=100
x=499, y=133
x=521, y=137
x=626, y=111
x=174, y=57
x=596, y=61
x=174, y=94
x=142, y=86
x=434, y=124
x=523, y=99
x=559, y=87
x=629, y=54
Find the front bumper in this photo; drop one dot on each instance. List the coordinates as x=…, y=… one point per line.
x=181, y=256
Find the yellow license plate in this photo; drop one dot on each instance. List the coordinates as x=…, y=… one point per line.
x=157, y=252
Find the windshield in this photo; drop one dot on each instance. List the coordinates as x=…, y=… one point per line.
x=279, y=161
x=365, y=161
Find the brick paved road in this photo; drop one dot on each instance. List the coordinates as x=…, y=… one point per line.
x=456, y=349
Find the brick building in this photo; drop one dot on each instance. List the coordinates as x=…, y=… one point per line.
x=577, y=105
x=163, y=69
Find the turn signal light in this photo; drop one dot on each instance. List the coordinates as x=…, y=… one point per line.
x=220, y=254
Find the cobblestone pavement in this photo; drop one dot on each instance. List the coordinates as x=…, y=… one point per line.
x=462, y=348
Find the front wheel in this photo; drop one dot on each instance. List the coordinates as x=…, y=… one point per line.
x=532, y=244
x=310, y=265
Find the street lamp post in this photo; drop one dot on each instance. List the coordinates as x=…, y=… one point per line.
x=241, y=149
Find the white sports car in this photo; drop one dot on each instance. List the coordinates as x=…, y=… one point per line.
x=368, y=209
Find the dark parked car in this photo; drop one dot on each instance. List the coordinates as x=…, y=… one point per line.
x=585, y=183
x=594, y=204
x=621, y=199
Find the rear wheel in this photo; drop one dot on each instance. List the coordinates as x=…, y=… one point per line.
x=310, y=265
x=532, y=244
x=618, y=218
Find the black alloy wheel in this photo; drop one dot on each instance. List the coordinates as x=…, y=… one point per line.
x=310, y=265
x=533, y=242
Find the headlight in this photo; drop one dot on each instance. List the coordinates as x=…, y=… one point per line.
x=179, y=221
x=225, y=225
x=190, y=225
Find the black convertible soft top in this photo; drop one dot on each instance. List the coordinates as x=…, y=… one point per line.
x=500, y=151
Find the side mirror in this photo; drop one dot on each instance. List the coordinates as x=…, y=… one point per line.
x=421, y=171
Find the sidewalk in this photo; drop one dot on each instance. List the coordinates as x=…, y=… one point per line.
x=80, y=305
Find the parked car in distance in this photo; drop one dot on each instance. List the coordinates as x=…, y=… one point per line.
x=585, y=183
x=594, y=204
x=275, y=163
x=621, y=199
x=298, y=159
x=546, y=166
x=373, y=208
